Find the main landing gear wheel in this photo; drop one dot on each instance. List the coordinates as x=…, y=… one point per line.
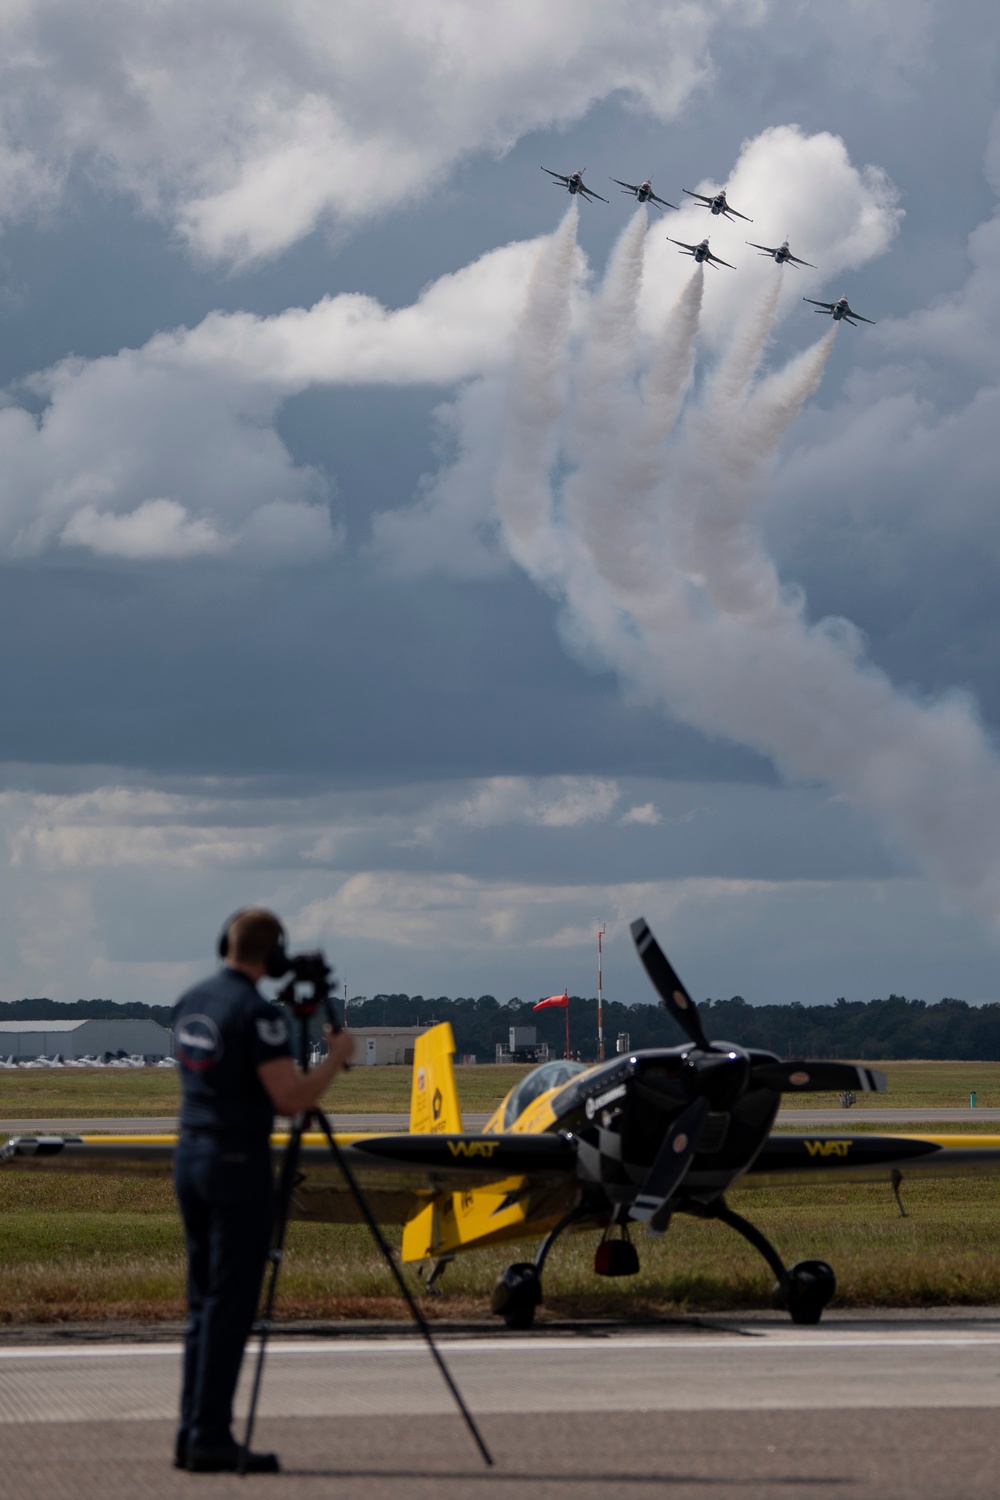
x=805, y=1290
x=516, y=1295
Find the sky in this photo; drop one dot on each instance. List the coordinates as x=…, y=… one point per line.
x=390, y=538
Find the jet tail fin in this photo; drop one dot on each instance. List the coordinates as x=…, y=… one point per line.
x=434, y=1106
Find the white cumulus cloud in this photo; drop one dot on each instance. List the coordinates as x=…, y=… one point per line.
x=245, y=126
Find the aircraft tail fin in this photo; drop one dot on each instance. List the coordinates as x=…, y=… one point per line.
x=434, y=1106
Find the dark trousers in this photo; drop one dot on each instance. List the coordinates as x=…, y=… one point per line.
x=226, y=1197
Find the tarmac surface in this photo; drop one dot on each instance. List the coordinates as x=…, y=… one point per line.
x=866, y=1405
x=842, y=1118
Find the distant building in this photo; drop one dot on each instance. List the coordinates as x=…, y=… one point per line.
x=24, y=1040
x=380, y=1046
x=523, y=1046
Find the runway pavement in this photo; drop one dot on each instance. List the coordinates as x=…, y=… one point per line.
x=806, y=1118
x=861, y=1406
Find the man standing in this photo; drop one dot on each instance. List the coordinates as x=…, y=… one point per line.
x=236, y=1072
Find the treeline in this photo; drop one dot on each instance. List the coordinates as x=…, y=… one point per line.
x=896, y=1027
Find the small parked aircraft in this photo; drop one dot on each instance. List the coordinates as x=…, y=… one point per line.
x=603, y=1148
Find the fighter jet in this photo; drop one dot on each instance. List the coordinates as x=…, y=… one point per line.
x=643, y=191
x=717, y=204
x=701, y=253
x=781, y=254
x=839, y=310
x=574, y=183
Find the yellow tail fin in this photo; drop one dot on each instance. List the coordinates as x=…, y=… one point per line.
x=434, y=1106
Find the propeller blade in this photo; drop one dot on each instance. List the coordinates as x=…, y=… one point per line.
x=667, y=984
x=652, y=1202
x=817, y=1077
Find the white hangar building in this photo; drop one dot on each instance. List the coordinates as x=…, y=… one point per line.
x=25, y=1040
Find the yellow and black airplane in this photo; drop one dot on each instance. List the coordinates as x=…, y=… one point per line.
x=632, y=1141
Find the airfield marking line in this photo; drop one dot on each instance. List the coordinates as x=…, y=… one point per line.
x=768, y=1342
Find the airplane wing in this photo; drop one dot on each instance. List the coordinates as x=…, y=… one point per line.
x=797, y=262
x=633, y=187
x=700, y=196
x=589, y=193
x=766, y=248
x=717, y=260
x=561, y=175
x=852, y=314
x=690, y=248
x=662, y=202
x=787, y=1159
x=736, y=213
x=398, y=1173
x=827, y=306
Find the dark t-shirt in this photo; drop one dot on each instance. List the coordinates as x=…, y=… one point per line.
x=223, y=1030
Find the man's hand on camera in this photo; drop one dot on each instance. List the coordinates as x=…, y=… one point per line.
x=291, y=1091
x=339, y=1044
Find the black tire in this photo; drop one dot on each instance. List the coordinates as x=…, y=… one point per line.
x=519, y=1313
x=516, y=1295
x=805, y=1291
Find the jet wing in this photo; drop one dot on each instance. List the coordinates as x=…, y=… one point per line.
x=662, y=202
x=700, y=196
x=691, y=248
x=850, y=313
x=736, y=213
x=561, y=175
x=828, y=306
x=787, y=1159
x=633, y=187
x=766, y=249
x=718, y=261
x=797, y=262
x=589, y=193
x=398, y=1173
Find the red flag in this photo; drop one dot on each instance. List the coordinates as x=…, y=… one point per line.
x=560, y=1000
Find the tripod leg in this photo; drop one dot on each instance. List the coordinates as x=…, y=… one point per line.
x=405, y=1292
x=286, y=1185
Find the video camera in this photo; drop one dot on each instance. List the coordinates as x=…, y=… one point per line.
x=313, y=970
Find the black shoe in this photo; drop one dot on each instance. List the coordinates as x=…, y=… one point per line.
x=225, y=1459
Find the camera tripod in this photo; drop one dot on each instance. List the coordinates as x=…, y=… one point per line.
x=303, y=1009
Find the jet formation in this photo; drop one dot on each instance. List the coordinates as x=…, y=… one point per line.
x=719, y=206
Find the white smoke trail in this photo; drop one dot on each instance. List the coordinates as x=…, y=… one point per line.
x=671, y=584
x=732, y=448
x=536, y=400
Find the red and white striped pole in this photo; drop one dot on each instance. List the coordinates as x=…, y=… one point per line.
x=600, y=991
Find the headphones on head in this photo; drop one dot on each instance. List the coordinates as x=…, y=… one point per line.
x=276, y=963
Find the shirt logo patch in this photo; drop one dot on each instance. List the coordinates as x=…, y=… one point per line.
x=273, y=1033
x=198, y=1043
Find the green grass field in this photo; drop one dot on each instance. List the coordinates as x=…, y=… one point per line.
x=78, y=1248
x=51, y=1092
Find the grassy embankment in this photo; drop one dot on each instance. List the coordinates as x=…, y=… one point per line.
x=80, y=1247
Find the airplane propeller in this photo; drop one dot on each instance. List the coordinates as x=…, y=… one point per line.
x=666, y=982
x=796, y=1077
x=652, y=1205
